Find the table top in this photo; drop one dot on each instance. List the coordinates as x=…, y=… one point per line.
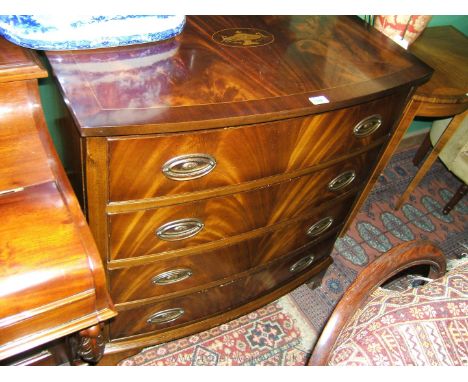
x=445, y=49
x=229, y=70
x=18, y=64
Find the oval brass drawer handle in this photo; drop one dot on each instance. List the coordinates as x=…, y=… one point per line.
x=368, y=126
x=179, y=229
x=302, y=264
x=188, y=167
x=320, y=227
x=165, y=316
x=171, y=277
x=342, y=180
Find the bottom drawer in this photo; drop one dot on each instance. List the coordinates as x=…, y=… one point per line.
x=157, y=317
x=284, y=270
x=167, y=314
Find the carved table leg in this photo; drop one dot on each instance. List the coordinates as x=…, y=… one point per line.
x=90, y=346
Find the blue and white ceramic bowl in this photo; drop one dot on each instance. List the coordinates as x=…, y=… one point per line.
x=66, y=32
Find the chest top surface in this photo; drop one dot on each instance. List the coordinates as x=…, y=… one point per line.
x=223, y=71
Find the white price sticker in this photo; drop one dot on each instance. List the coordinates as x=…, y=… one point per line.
x=319, y=100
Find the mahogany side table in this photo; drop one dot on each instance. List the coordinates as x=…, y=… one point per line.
x=445, y=49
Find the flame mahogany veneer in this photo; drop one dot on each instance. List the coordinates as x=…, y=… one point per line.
x=218, y=168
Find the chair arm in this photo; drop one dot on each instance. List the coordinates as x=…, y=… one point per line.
x=401, y=257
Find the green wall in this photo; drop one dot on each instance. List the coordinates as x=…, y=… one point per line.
x=460, y=22
x=53, y=107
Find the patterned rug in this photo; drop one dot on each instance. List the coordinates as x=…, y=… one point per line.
x=277, y=334
x=378, y=227
x=284, y=332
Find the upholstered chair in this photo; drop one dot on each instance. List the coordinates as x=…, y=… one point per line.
x=423, y=325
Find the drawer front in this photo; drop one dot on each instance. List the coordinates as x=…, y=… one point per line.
x=167, y=314
x=145, y=167
x=168, y=276
x=154, y=318
x=134, y=236
x=282, y=271
x=184, y=272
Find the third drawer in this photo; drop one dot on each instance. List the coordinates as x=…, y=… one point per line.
x=192, y=271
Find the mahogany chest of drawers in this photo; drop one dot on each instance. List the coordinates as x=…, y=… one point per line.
x=218, y=168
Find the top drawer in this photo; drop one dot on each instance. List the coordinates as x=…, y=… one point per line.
x=145, y=167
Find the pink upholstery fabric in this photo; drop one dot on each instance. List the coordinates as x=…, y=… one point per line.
x=422, y=326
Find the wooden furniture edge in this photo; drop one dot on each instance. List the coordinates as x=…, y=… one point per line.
x=103, y=301
x=401, y=126
x=37, y=339
x=401, y=257
x=31, y=70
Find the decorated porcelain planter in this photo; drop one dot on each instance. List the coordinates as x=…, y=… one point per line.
x=65, y=32
x=403, y=29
